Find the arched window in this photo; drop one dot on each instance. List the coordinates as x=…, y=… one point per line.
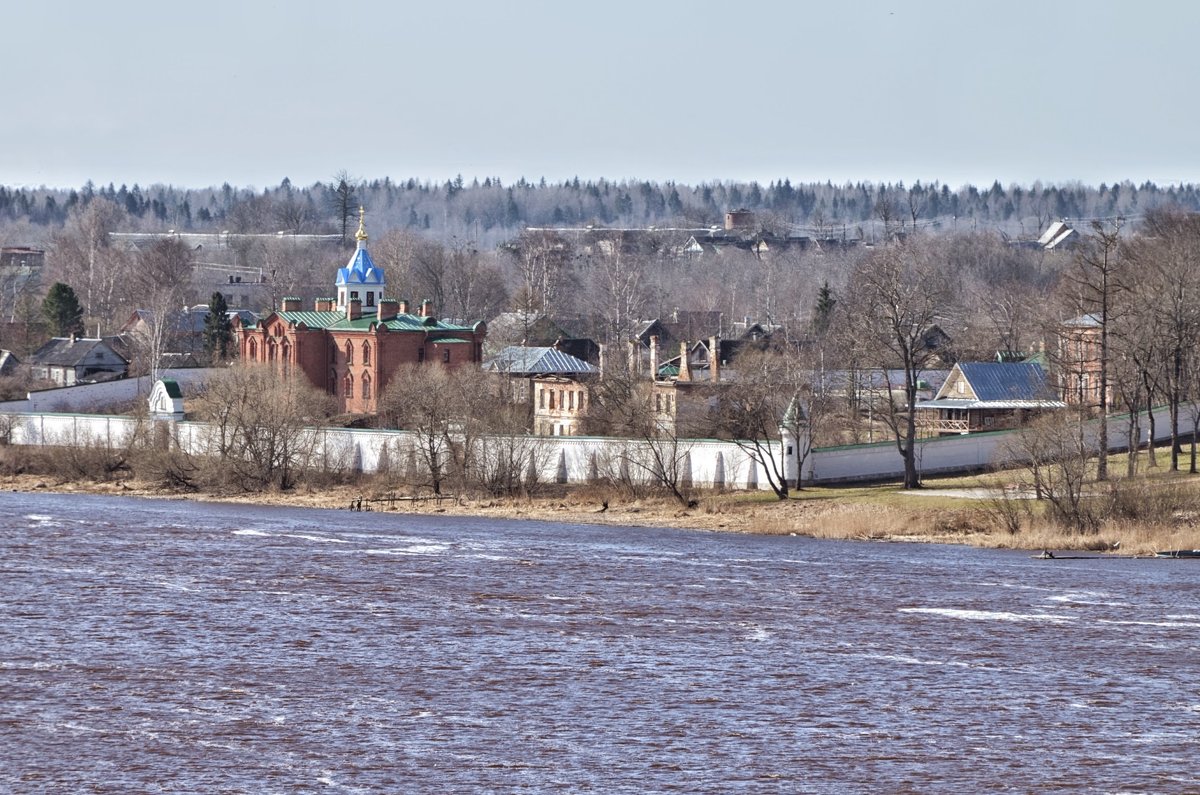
x=272, y=351
x=333, y=382
x=366, y=386
x=349, y=352
x=348, y=386
x=287, y=356
x=366, y=353
x=252, y=352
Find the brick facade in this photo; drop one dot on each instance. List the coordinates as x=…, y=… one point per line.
x=352, y=352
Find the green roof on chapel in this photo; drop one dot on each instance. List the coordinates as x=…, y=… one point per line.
x=337, y=321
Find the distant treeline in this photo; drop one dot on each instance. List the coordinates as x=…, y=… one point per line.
x=490, y=211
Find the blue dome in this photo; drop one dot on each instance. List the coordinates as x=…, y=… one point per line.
x=360, y=270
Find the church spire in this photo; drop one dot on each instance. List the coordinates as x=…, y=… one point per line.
x=361, y=234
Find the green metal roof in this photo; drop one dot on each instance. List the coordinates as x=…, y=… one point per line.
x=337, y=321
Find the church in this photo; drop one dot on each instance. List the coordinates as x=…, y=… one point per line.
x=351, y=345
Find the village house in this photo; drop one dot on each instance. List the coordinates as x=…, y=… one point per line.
x=75, y=360
x=1078, y=362
x=352, y=344
x=555, y=384
x=987, y=396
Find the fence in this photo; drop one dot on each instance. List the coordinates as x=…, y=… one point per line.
x=698, y=463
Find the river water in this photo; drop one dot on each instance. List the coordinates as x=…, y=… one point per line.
x=162, y=646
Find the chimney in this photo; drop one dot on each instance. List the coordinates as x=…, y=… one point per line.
x=426, y=308
x=354, y=309
x=291, y=304
x=653, y=357
x=387, y=309
x=714, y=359
x=403, y=306
x=325, y=304
x=685, y=370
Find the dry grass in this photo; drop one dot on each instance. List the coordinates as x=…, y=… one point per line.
x=1153, y=512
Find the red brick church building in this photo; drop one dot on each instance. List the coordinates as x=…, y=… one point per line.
x=351, y=345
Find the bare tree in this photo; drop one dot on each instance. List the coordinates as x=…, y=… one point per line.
x=343, y=197
x=261, y=426
x=1169, y=270
x=894, y=299
x=1096, y=281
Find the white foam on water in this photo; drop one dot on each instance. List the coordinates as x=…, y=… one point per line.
x=909, y=660
x=1131, y=623
x=415, y=549
x=988, y=615
x=319, y=539
x=1085, y=598
x=251, y=533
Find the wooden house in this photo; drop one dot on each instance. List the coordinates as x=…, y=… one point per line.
x=987, y=396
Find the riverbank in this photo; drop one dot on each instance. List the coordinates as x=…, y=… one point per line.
x=957, y=511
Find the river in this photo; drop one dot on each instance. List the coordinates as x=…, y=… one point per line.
x=169, y=646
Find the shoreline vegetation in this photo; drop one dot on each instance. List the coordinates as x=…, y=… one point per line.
x=1142, y=515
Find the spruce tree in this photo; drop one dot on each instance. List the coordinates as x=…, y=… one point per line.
x=825, y=304
x=218, y=329
x=62, y=311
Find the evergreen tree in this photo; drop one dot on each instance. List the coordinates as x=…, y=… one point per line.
x=218, y=329
x=825, y=304
x=62, y=311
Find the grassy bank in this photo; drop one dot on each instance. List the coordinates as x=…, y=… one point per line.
x=943, y=512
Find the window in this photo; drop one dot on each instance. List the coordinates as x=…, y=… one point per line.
x=333, y=382
x=420, y=355
x=354, y=295
x=551, y=399
x=446, y=355
x=253, y=350
x=366, y=386
x=370, y=298
x=541, y=397
x=571, y=400
x=961, y=387
x=349, y=352
x=366, y=353
x=348, y=386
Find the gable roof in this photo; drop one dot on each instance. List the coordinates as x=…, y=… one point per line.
x=998, y=385
x=518, y=360
x=68, y=351
x=8, y=362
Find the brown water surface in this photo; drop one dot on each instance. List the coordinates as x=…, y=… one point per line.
x=156, y=646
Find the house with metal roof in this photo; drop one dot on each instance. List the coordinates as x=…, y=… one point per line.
x=352, y=344
x=554, y=383
x=988, y=396
x=76, y=360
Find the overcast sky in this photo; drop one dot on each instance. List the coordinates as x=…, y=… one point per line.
x=248, y=92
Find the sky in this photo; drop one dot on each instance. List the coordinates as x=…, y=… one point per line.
x=250, y=92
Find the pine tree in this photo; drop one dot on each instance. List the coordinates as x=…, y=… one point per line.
x=62, y=311
x=825, y=304
x=218, y=330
